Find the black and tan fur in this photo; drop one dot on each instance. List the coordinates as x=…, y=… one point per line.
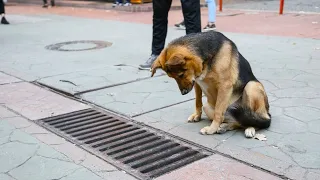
x=212, y=64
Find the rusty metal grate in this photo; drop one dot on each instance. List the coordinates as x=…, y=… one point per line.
x=139, y=150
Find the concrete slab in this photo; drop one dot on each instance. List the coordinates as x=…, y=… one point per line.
x=139, y=97
x=217, y=167
x=34, y=102
x=289, y=148
x=41, y=160
x=88, y=69
x=89, y=80
x=31, y=61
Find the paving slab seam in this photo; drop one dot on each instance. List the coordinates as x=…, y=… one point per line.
x=78, y=99
x=11, y=75
x=11, y=83
x=113, y=85
x=157, y=109
x=156, y=129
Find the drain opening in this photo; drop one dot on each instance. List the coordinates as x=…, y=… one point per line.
x=142, y=152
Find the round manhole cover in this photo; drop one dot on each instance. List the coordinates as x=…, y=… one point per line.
x=79, y=45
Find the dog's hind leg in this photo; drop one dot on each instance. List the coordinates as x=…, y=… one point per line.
x=229, y=124
x=255, y=98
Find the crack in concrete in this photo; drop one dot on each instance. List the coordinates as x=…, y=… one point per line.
x=145, y=98
x=25, y=160
x=72, y=172
x=222, y=141
x=293, y=160
x=53, y=158
x=9, y=175
x=306, y=123
x=305, y=174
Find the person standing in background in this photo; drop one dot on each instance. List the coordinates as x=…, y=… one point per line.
x=45, y=3
x=211, y=17
x=192, y=16
x=2, y=13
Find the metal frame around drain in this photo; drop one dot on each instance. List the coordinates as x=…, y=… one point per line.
x=111, y=160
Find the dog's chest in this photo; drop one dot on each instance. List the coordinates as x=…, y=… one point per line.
x=203, y=85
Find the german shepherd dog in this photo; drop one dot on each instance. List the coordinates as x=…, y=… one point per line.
x=212, y=64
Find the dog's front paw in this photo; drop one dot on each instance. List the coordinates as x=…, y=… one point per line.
x=208, y=130
x=250, y=132
x=195, y=117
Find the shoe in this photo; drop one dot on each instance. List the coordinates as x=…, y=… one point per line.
x=116, y=4
x=52, y=3
x=147, y=65
x=127, y=4
x=180, y=25
x=210, y=27
x=45, y=6
x=4, y=21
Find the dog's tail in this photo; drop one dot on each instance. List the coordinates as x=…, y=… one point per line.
x=248, y=118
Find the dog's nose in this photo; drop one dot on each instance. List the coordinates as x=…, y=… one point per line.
x=184, y=91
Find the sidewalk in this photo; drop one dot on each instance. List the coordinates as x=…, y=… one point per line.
x=284, y=57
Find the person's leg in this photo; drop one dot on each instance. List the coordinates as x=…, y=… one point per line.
x=45, y=3
x=211, y=15
x=52, y=3
x=192, y=15
x=159, y=32
x=2, y=13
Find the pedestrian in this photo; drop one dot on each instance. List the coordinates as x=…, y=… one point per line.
x=45, y=3
x=211, y=16
x=2, y=12
x=192, y=17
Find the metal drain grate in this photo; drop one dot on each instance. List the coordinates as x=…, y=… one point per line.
x=140, y=151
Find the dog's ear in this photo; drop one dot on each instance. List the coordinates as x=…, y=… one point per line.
x=176, y=60
x=158, y=62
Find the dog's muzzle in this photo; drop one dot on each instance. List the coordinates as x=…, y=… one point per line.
x=187, y=90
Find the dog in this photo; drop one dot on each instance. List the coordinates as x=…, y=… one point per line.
x=210, y=63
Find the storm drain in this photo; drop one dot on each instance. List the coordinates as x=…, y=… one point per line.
x=140, y=151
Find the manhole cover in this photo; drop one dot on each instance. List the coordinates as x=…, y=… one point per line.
x=141, y=151
x=78, y=45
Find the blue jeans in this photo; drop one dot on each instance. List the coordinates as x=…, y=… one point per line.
x=211, y=10
x=121, y=1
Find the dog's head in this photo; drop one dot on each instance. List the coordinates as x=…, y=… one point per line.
x=181, y=64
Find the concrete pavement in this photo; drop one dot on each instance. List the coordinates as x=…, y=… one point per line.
x=288, y=66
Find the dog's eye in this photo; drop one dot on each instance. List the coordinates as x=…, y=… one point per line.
x=181, y=75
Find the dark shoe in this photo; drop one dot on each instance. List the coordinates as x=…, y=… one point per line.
x=148, y=63
x=210, y=27
x=52, y=3
x=180, y=25
x=4, y=21
x=45, y=6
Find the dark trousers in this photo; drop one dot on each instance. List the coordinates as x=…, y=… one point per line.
x=1, y=7
x=46, y=1
x=192, y=19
